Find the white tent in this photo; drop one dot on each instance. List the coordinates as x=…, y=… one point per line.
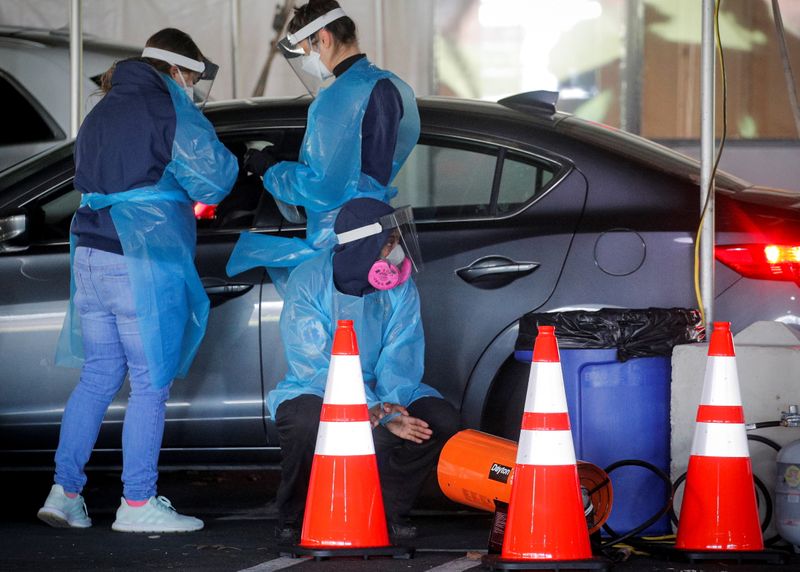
x=393, y=33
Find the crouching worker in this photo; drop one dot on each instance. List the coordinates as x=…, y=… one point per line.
x=365, y=279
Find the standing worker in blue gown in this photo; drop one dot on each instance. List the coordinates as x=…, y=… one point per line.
x=143, y=155
x=361, y=129
x=365, y=279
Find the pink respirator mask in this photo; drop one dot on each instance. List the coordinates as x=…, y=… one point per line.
x=391, y=271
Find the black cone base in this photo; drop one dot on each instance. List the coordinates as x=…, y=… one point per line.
x=297, y=551
x=733, y=556
x=494, y=562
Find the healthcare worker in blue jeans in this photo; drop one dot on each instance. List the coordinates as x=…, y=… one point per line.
x=362, y=126
x=143, y=155
x=367, y=279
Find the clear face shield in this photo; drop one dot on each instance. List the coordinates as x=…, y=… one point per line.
x=403, y=240
x=307, y=66
x=202, y=88
x=205, y=71
x=401, y=251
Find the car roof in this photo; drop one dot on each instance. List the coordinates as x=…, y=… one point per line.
x=37, y=59
x=21, y=36
x=25, y=50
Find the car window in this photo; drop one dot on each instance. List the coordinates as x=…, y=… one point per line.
x=520, y=181
x=449, y=179
x=442, y=180
x=446, y=181
x=25, y=120
x=249, y=205
x=50, y=216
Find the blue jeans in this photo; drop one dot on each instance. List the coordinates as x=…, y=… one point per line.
x=112, y=347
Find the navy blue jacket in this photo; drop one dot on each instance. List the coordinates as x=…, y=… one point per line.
x=379, y=127
x=125, y=143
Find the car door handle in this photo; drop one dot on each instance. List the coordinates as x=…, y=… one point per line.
x=495, y=271
x=220, y=291
x=228, y=290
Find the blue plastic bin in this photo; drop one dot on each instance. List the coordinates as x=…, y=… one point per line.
x=618, y=411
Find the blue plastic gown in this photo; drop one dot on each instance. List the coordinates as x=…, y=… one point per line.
x=329, y=171
x=388, y=327
x=157, y=230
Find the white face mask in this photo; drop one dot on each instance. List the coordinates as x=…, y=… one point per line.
x=187, y=89
x=396, y=256
x=312, y=65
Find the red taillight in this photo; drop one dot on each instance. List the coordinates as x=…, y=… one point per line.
x=762, y=261
x=204, y=212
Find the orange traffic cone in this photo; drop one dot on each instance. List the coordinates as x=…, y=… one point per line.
x=719, y=511
x=546, y=525
x=344, y=514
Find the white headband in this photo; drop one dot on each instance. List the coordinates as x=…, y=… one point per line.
x=174, y=59
x=359, y=233
x=315, y=26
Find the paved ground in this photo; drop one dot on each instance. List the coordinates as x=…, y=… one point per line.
x=237, y=509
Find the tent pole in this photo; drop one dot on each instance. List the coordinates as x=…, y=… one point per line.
x=235, y=38
x=707, y=93
x=75, y=66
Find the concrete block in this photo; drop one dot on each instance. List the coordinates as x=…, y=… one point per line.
x=768, y=364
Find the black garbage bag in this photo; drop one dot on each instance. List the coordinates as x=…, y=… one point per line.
x=646, y=332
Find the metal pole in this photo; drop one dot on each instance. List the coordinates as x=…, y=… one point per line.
x=235, y=30
x=707, y=85
x=75, y=67
x=632, y=65
x=379, y=34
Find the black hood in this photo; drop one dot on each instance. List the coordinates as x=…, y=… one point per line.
x=352, y=261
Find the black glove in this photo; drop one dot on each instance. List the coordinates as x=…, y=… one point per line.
x=257, y=162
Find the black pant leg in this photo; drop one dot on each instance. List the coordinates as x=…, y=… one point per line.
x=297, y=421
x=404, y=465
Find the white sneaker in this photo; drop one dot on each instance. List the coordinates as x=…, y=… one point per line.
x=155, y=516
x=60, y=511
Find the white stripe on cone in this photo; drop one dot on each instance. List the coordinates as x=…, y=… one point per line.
x=344, y=438
x=545, y=448
x=345, y=382
x=546, y=389
x=721, y=384
x=720, y=440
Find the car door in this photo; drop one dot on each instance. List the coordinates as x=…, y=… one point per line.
x=262, y=215
x=216, y=410
x=495, y=222
x=35, y=278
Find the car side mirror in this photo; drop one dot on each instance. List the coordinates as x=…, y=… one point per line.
x=14, y=232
